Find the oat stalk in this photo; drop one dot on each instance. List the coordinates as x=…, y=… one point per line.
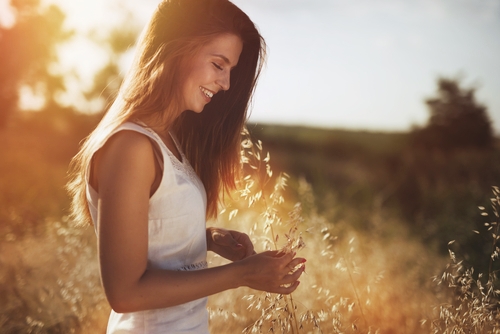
x=495, y=205
x=474, y=304
x=355, y=290
x=260, y=175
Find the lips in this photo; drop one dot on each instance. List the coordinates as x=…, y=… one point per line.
x=209, y=94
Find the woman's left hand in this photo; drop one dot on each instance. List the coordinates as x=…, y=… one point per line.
x=232, y=245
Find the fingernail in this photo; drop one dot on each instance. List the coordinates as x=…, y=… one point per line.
x=304, y=261
x=239, y=245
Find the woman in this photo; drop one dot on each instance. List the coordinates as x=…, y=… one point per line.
x=159, y=162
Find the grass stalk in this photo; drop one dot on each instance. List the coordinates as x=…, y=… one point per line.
x=294, y=316
x=355, y=290
x=252, y=154
x=495, y=203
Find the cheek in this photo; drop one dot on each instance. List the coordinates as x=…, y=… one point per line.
x=188, y=83
x=185, y=74
x=199, y=73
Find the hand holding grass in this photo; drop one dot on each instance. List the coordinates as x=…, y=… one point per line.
x=272, y=271
x=229, y=244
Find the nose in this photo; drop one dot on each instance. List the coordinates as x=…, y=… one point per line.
x=224, y=80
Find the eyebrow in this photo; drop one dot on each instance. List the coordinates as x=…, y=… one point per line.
x=224, y=58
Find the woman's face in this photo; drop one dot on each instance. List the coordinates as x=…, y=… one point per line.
x=209, y=71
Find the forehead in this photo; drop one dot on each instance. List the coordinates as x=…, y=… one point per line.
x=225, y=46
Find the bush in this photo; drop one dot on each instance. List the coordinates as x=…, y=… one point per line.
x=456, y=120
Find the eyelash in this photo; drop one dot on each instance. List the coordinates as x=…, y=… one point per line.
x=217, y=66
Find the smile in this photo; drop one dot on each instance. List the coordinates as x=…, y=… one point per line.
x=208, y=93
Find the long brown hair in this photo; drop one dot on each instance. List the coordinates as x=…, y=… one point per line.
x=210, y=140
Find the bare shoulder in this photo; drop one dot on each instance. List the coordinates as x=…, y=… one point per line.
x=127, y=142
x=127, y=154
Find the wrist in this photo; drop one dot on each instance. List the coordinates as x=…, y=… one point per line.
x=237, y=273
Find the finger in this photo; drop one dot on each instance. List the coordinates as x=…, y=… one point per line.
x=281, y=256
x=286, y=258
x=291, y=278
x=248, y=246
x=242, y=238
x=285, y=290
x=295, y=262
x=219, y=237
x=226, y=239
x=272, y=253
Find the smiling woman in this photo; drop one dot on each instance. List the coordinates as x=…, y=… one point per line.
x=159, y=163
x=210, y=71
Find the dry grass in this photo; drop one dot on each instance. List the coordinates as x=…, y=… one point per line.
x=353, y=283
x=473, y=307
x=376, y=280
x=50, y=283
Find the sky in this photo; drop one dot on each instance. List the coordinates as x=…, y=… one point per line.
x=356, y=64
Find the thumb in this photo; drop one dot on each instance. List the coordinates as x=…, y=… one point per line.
x=272, y=253
x=226, y=239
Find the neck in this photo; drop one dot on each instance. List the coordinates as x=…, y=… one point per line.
x=157, y=125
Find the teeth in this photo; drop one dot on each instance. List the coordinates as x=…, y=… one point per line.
x=207, y=92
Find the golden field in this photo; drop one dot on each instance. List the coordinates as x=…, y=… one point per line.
x=374, y=223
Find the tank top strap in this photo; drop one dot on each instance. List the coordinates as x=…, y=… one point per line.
x=175, y=161
x=133, y=127
x=177, y=146
x=182, y=166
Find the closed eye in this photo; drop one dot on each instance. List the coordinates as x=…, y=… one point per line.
x=218, y=66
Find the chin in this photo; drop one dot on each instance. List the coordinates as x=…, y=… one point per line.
x=199, y=110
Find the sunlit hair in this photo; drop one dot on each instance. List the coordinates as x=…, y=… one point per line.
x=151, y=91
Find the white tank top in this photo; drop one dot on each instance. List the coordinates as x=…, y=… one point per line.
x=176, y=241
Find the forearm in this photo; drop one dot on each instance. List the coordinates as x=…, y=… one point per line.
x=164, y=288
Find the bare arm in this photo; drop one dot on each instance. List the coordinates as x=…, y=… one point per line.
x=125, y=172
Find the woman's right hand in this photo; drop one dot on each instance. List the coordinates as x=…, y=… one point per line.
x=272, y=271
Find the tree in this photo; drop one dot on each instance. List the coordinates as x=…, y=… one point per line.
x=117, y=42
x=456, y=119
x=28, y=48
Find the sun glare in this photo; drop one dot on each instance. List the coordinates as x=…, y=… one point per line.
x=81, y=54
x=82, y=15
x=30, y=99
x=6, y=15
